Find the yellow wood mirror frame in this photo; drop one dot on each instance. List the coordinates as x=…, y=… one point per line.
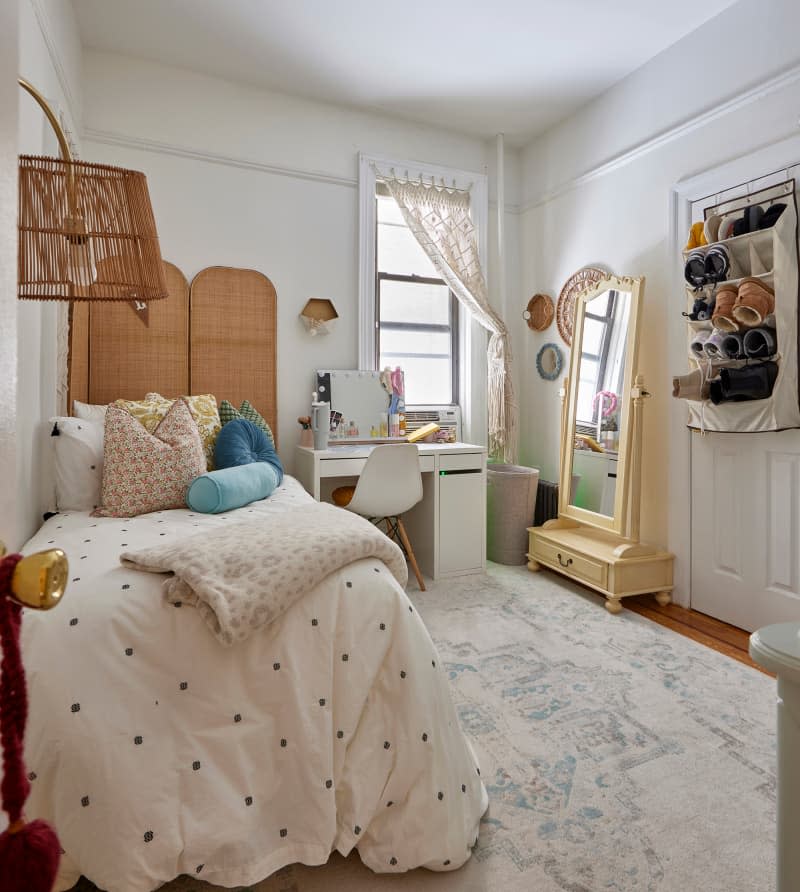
x=625, y=519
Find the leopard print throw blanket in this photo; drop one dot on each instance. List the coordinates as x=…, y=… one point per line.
x=244, y=575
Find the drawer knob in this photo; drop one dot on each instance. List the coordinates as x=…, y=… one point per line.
x=561, y=560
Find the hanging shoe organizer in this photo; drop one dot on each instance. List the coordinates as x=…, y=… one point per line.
x=741, y=310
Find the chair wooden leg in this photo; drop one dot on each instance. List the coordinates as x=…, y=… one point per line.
x=410, y=552
x=389, y=530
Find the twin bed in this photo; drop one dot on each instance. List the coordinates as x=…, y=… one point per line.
x=156, y=751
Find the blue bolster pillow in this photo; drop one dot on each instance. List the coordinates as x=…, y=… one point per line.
x=219, y=491
x=241, y=442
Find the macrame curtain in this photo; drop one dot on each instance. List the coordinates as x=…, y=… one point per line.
x=441, y=223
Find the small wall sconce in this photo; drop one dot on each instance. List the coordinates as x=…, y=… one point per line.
x=319, y=316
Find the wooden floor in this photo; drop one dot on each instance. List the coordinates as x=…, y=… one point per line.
x=705, y=629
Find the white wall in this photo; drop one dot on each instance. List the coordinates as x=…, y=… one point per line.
x=49, y=57
x=597, y=192
x=244, y=177
x=9, y=529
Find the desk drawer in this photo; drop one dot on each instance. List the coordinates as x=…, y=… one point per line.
x=352, y=467
x=571, y=562
x=466, y=461
x=341, y=467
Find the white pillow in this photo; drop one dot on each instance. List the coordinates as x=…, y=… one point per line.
x=88, y=412
x=78, y=448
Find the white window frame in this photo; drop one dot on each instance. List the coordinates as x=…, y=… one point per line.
x=472, y=372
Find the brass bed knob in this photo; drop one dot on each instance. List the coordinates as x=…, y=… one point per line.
x=39, y=580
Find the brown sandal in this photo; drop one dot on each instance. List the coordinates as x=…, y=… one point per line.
x=723, y=317
x=755, y=302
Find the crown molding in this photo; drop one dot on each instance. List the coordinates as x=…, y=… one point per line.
x=766, y=87
x=46, y=28
x=513, y=209
x=111, y=138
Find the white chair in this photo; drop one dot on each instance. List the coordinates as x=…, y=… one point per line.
x=390, y=484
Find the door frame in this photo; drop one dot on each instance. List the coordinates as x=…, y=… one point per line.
x=9, y=147
x=781, y=155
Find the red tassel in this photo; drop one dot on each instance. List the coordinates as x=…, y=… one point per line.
x=29, y=853
x=29, y=858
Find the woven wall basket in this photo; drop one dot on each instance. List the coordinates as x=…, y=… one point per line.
x=539, y=312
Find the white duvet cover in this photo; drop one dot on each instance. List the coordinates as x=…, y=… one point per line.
x=155, y=751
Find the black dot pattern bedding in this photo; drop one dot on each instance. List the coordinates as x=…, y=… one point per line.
x=156, y=751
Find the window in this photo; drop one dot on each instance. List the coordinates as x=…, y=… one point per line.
x=466, y=344
x=597, y=330
x=416, y=314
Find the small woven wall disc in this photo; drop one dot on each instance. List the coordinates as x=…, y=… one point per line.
x=539, y=312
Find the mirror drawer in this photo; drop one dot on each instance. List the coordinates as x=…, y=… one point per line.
x=572, y=562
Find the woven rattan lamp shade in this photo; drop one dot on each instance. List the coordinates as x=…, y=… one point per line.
x=86, y=232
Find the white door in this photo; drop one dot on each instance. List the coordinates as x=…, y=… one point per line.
x=746, y=527
x=745, y=503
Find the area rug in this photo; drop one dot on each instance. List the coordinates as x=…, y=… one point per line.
x=617, y=754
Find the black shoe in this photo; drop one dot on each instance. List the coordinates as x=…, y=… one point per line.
x=717, y=264
x=753, y=382
x=749, y=221
x=733, y=345
x=701, y=311
x=771, y=215
x=760, y=343
x=695, y=269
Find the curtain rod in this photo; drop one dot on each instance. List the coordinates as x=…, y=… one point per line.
x=421, y=181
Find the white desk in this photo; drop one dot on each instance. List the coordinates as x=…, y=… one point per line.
x=448, y=527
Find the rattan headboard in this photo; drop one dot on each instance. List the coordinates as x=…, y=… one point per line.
x=218, y=337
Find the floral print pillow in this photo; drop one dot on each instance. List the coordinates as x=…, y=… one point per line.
x=145, y=471
x=203, y=407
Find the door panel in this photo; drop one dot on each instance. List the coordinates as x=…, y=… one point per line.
x=782, y=542
x=746, y=527
x=726, y=503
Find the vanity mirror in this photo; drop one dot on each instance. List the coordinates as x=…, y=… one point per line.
x=595, y=538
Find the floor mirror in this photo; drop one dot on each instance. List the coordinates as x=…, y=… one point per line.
x=595, y=539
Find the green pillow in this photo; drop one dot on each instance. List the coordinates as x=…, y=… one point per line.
x=228, y=412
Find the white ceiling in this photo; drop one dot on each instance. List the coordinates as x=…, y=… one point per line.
x=474, y=66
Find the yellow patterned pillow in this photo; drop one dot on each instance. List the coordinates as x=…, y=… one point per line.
x=203, y=407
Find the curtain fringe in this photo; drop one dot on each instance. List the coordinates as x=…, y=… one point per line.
x=440, y=222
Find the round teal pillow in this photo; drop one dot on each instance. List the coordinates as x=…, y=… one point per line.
x=240, y=442
x=230, y=488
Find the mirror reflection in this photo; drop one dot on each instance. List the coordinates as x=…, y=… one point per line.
x=598, y=405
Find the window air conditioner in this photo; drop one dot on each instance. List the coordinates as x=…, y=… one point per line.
x=447, y=417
